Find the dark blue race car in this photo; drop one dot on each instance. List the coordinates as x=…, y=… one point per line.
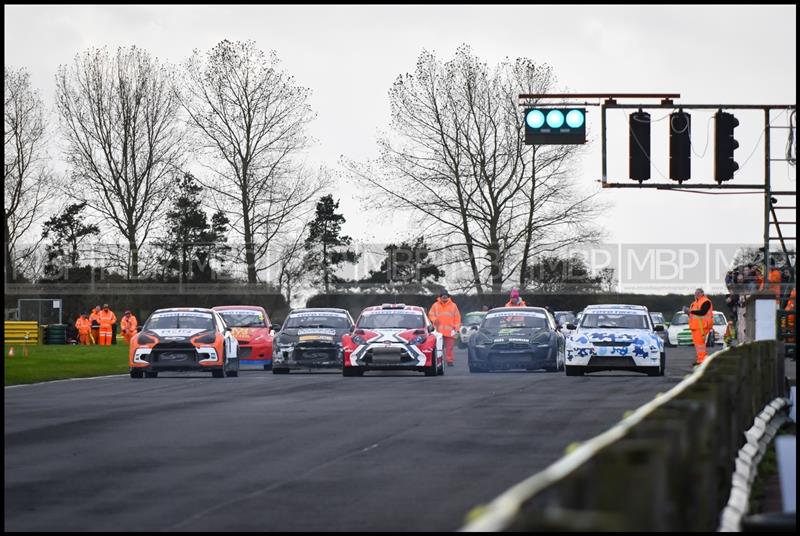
x=516, y=338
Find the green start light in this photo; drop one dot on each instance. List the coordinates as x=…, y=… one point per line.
x=555, y=126
x=555, y=118
x=575, y=118
x=534, y=118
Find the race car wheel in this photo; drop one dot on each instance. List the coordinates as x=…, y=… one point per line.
x=280, y=370
x=431, y=370
x=218, y=373
x=352, y=371
x=149, y=374
x=440, y=368
x=574, y=371
x=137, y=374
x=476, y=368
x=554, y=367
x=661, y=366
x=232, y=373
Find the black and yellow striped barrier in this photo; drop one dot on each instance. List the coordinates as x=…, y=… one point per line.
x=20, y=332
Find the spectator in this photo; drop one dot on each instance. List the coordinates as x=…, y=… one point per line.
x=730, y=280
x=790, y=318
x=774, y=278
x=787, y=283
x=759, y=278
x=730, y=335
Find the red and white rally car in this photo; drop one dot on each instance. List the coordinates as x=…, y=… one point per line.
x=393, y=337
x=251, y=327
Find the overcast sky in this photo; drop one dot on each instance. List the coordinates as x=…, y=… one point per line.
x=350, y=55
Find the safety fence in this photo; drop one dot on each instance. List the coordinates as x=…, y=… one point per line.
x=666, y=467
x=16, y=332
x=759, y=436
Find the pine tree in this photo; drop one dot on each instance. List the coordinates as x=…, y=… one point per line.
x=191, y=243
x=406, y=264
x=67, y=230
x=324, y=245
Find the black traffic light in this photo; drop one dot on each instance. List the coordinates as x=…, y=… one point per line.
x=724, y=145
x=555, y=126
x=680, y=146
x=639, y=158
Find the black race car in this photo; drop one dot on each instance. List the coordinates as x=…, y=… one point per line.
x=310, y=339
x=516, y=338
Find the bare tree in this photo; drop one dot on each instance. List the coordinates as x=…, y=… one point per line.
x=250, y=119
x=124, y=141
x=456, y=158
x=26, y=177
x=291, y=267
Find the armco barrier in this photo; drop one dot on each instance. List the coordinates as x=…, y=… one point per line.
x=666, y=467
x=14, y=332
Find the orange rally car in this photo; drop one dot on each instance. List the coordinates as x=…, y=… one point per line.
x=184, y=339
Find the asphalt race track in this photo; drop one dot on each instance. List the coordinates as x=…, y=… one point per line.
x=391, y=451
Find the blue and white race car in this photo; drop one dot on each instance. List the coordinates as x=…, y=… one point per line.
x=616, y=337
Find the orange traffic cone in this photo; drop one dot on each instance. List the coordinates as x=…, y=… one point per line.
x=11, y=351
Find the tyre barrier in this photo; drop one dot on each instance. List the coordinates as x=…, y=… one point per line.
x=55, y=334
x=665, y=467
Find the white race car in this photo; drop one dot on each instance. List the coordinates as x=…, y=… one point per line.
x=615, y=337
x=469, y=325
x=678, y=333
x=563, y=319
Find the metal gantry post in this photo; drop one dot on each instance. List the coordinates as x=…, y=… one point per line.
x=767, y=193
x=604, y=170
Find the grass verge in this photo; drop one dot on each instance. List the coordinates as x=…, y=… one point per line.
x=61, y=361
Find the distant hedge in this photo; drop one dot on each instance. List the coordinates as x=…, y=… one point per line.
x=666, y=304
x=143, y=299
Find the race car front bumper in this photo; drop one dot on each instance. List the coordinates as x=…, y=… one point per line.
x=613, y=357
x=255, y=354
x=393, y=356
x=312, y=355
x=178, y=359
x=506, y=357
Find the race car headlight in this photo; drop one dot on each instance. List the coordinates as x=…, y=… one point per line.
x=358, y=339
x=209, y=338
x=481, y=342
x=540, y=338
x=141, y=338
x=419, y=339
